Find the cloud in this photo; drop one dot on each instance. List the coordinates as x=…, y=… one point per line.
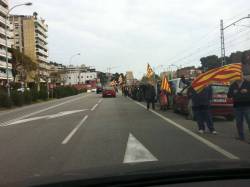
x=129, y=33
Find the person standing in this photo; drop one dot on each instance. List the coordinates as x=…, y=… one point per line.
x=150, y=96
x=201, y=108
x=239, y=91
x=163, y=100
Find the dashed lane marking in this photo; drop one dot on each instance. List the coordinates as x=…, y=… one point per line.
x=71, y=134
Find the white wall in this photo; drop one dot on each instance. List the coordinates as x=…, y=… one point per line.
x=73, y=78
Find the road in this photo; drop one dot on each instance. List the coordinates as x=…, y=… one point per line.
x=87, y=131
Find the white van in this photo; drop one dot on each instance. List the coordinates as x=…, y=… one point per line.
x=177, y=85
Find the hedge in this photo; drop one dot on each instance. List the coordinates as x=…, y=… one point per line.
x=28, y=96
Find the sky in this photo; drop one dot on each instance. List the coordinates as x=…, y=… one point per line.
x=125, y=35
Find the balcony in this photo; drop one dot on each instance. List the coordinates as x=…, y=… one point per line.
x=2, y=42
x=42, y=45
x=42, y=24
x=39, y=29
x=3, y=53
x=41, y=37
x=3, y=64
x=43, y=59
x=3, y=10
x=5, y=2
x=2, y=31
x=42, y=52
x=3, y=21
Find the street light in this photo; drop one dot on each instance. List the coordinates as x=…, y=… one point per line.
x=70, y=59
x=222, y=28
x=6, y=43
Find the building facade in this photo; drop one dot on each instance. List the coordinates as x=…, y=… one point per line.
x=79, y=75
x=4, y=7
x=31, y=38
x=188, y=72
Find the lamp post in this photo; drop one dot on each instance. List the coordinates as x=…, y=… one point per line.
x=6, y=43
x=70, y=60
x=222, y=28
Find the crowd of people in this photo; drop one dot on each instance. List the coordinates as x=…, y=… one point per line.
x=239, y=91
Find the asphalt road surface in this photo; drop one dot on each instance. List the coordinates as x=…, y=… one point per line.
x=88, y=131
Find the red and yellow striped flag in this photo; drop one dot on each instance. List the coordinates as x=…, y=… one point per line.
x=150, y=71
x=165, y=84
x=223, y=74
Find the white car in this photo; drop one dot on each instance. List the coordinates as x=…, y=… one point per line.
x=93, y=90
x=88, y=91
x=23, y=89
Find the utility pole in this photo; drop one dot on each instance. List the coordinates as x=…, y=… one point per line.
x=223, y=48
x=223, y=51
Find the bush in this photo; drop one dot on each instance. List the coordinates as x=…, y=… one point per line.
x=43, y=95
x=5, y=101
x=34, y=95
x=17, y=98
x=27, y=97
x=66, y=91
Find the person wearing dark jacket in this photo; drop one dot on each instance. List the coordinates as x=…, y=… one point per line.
x=240, y=92
x=150, y=96
x=201, y=108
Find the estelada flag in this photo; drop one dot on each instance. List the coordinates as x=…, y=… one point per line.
x=222, y=74
x=150, y=71
x=165, y=84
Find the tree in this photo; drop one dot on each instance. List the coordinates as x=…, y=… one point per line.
x=115, y=77
x=103, y=78
x=235, y=57
x=210, y=62
x=21, y=64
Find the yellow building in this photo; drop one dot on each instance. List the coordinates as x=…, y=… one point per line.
x=30, y=37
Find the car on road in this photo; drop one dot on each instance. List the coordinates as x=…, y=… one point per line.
x=99, y=88
x=108, y=91
x=93, y=90
x=221, y=105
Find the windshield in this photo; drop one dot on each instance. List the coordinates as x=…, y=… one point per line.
x=220, y=89
x=112, y=84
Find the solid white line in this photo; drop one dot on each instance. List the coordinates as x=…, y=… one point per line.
x=43, y=110
x=197, y=137
x=100, y=100
x=71, y=134
x=93, y=108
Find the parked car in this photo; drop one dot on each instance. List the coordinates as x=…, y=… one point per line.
x=98, y=88
x=23, y=89
x=221, y=105
x=108, y=92
x=93, y=90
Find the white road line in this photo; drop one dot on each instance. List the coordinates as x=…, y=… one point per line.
x=100, y=100
x=40, y=111
x=93, y=108
x=197, y=137
x=71, y=134
x=137, y=152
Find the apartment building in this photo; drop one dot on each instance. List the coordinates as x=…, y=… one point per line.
x=78, y=75
x=3, y=12
x=30, y=37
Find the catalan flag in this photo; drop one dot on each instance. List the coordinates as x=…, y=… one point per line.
x=223, y=74
x=150, y=71
x=120, y=80
x=165, y=84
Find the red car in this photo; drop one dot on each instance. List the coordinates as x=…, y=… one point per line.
x=220, y=105
x=108, y=92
